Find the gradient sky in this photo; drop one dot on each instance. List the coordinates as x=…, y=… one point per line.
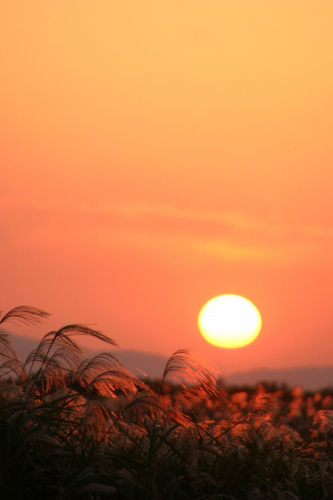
x=157, y=154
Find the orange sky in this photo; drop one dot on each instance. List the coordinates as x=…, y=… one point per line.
x=156, y=154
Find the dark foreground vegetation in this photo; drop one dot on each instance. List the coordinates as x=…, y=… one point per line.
x=87, y=429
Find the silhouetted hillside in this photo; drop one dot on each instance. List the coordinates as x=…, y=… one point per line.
x=308, y=377
x=136, y=361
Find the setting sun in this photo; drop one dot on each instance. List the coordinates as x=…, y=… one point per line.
x=229, y=321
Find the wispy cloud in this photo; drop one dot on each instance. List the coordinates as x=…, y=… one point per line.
x=170, y=229
x=234, y=219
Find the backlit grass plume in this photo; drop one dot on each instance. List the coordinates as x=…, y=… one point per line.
x=26, y=315
x=189, y=368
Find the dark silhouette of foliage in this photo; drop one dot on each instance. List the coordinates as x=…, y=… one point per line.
x=75, y=427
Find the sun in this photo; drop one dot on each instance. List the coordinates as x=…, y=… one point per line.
x=229, y=321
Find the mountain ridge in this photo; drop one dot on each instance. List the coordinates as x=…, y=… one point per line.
x=140, y=363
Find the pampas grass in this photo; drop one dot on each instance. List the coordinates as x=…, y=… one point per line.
x=87, y=428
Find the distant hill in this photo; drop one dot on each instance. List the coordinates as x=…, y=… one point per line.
x=136, y=361
x=23, y=345
x=308, y=377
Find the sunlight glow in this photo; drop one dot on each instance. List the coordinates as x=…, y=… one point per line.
x=229, y=321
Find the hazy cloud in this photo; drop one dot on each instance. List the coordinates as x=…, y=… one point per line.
x=166, y=228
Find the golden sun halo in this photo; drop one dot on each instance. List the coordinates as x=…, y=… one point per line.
x=229, y=321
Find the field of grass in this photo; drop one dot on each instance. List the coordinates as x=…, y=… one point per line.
x=72, y=427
